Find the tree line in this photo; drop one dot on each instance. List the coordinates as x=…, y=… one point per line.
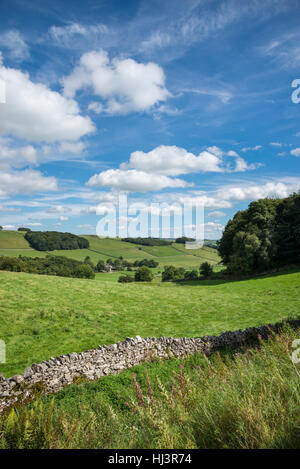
x=265, y=236
x=50, y=265
x=148, y=241
x=122, y=264
x=54, y=240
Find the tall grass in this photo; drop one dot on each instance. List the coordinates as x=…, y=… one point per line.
x=247, y=400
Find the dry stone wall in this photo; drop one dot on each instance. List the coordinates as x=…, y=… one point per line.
x=52, y=375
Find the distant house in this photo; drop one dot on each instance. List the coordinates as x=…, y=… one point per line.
x=108, y=267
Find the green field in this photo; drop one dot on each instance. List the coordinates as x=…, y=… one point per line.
x=246, y=399
x=13, y=244
x=13, y=240
x=43, y=316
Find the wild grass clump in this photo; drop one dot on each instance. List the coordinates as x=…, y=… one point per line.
x=250, y=399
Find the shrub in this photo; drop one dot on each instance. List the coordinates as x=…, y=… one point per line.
x=84, y=271
x=206, y=269
x=125, y=279
x=191, y=275
x=143, y=274
x=172, y=273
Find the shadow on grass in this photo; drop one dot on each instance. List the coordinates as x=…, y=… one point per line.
x=221, y=281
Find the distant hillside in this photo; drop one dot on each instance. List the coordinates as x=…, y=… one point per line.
x=13, y=244
x=13, y=240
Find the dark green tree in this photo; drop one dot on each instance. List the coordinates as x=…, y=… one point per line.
x=100, y=267
x=206, y=269
x=143, y=274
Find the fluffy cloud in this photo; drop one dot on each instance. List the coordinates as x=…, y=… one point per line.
x=156, y=169
x=295, y=152
x=134, y=181
x=227, y=195
x=25, y=182
x=173, y=160
x=96, y=107
x=13, y=42
x=14, y=156
x=34, y=112
x=124, y=84
x=254, y=192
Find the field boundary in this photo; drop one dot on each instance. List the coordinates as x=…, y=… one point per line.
x=52, y=375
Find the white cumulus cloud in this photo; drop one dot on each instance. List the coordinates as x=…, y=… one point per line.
x=134, y=181
x=124, y=84
x=35, y=112
x=295, y=152
x=25, y=182
x=173, y=160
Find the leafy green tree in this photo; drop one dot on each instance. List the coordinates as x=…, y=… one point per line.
x=84, y=271
x=206, y=269
x=88, y=261
x=53, y=240
x=143, y=274
x=1, y=228
x=287, y=224
x=265, y=235
x=170, y=272
x=117, y=264
x=100, y=267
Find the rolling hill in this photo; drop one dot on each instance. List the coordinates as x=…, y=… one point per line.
x=12, y=243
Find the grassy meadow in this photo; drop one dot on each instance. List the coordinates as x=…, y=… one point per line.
x=244, y=400
x=44, y=316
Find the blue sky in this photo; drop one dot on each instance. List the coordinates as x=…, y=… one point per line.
x=174, y=102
